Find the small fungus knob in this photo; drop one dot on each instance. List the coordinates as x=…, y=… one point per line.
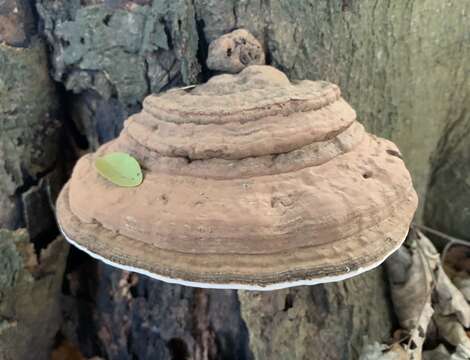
x=233, y=52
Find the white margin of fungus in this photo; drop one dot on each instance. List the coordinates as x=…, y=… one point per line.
x=234, y=286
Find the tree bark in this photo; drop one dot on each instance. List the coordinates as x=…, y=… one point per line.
x=331, y=321
x=32, y=259
x=401, y=65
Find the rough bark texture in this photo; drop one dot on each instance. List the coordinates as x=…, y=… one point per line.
x=119, y=315
x=29, y=132
x=401, y=65
x=30, y=314
x=448, y=202
x=318, y=322
x=32, y=260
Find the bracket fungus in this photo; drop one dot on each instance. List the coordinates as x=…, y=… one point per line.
x=250, y=182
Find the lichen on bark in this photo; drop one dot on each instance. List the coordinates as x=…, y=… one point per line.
x=29, y=296
x=32, y=261
x=28, y=127
x=123, y=50
x=110, y=55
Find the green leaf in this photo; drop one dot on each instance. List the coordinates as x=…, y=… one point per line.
x=119, y=168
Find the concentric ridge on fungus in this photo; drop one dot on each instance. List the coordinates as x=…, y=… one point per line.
x=250, y=181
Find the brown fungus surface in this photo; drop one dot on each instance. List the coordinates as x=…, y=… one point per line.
x=234, y=51
x=250, y=181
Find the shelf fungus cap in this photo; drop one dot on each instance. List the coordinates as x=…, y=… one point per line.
x=250, y=182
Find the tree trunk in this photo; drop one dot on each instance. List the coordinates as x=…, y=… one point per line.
x=400, y=64
x=331, y=321
x=32, y=260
